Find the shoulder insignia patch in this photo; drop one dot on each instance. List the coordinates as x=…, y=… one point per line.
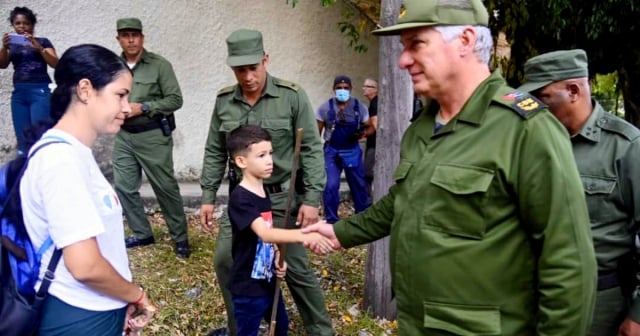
x=285, y=83
x=527, y=104
x=226, y=90
x=523, y=103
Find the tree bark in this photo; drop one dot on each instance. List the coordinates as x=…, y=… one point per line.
x=395, y=105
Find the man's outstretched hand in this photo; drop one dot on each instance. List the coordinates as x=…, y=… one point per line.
x=326, y=230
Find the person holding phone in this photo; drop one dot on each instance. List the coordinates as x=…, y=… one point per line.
x=30, y=56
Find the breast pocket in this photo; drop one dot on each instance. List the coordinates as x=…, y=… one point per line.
x=598, y=190
x=457, y=200
x=146, y=86
x=228, y=126
x=280, y=131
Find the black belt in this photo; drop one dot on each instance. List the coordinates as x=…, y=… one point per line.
x=150, y=126
x=273, y=188
x=608, y=280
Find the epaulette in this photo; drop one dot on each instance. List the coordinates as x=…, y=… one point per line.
x=522, y=103
x=285, y=83
x=618, y=125
x=226, y=90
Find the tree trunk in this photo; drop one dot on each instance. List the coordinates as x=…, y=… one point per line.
x=395, y=104
x=629, y=79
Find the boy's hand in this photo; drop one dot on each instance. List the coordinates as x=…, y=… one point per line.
x=327, y=231
x=281, y=271
x=318, y=243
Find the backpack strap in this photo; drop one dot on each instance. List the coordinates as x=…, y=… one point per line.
x=13, y=189
x=49, y=276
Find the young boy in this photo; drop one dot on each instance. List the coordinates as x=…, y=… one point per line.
x=251, y=283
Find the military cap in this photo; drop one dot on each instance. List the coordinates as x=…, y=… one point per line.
x=129, y=23
x=542, y=70
x=244, y=47
x=425, y=13
x=341, y=79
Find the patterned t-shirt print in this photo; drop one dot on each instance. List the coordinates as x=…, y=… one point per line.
x=265, y=253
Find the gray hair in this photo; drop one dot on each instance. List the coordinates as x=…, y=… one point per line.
x=484, y=43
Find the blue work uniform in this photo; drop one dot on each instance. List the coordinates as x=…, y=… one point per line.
x=342, y=152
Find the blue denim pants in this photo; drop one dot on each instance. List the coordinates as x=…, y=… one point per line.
x=30, y=104
x=249, y=311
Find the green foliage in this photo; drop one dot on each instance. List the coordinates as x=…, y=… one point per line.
x=604, y=89
x=358, y=20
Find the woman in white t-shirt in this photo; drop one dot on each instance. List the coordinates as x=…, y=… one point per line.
x=66, y=197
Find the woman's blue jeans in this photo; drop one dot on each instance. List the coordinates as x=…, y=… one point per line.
x=30, y=104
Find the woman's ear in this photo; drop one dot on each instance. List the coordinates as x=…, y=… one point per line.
x=83, y=90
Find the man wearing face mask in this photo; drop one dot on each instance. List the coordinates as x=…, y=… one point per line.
x=344, y=118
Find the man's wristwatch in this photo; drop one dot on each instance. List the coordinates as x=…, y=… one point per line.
x=144, y=107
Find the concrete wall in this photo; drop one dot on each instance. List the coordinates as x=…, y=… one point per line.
x=304, y=44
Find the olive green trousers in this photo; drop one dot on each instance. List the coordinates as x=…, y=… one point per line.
x=611, y=310
x=152, y=152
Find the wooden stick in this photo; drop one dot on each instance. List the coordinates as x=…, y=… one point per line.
x=287, y=217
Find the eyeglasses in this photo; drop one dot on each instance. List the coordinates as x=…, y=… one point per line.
x=368, y=87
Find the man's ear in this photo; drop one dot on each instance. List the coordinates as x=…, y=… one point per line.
x=468, y=40
x=575, y=91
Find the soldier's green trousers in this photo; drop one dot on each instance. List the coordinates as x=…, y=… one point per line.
x=301, y=280
x=611, y=310
x=152, y=152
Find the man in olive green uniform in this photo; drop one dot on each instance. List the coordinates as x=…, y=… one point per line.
x=281, y=107
x=145, y=142
x=606, y=149
x=488, y=225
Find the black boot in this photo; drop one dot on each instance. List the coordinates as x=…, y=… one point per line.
x=182, y=249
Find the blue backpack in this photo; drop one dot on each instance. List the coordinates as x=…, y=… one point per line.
x=19, y=260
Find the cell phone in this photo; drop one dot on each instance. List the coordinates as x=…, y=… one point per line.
x=18, y=39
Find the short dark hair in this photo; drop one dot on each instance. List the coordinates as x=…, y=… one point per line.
x=28, y=13
x=241, y=138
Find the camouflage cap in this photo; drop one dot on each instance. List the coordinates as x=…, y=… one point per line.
x=425, y=13
x=244, y=47
x=129, y=23
x=544, y=69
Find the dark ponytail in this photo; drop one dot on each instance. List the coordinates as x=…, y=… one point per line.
x=86, y=61
x=60, y=101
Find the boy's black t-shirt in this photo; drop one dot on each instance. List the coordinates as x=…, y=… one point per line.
x=244, y=208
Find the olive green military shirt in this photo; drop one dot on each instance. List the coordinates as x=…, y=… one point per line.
x=154, y=83
x=607, y=150
x=488, y=224
x=282, y=108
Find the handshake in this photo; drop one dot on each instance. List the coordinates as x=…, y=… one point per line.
x=320, y=238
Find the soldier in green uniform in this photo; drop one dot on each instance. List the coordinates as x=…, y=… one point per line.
x=606, y=149
x=145, y=142
x=281, y=107
x=488, y=224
